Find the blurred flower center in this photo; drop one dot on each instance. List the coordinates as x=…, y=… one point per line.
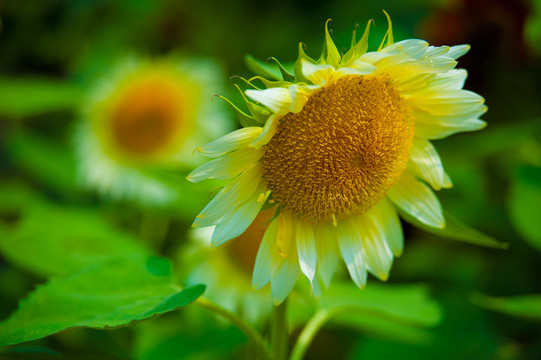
x=146, y=118
x=343, y=151
x=243, y=250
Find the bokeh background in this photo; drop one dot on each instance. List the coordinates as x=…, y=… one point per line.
x=52, y=51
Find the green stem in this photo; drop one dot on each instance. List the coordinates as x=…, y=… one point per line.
x=309, y=332
x=252, y=334
x=279, y=332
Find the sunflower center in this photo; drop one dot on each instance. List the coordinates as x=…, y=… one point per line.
x=342, y=152
x=146, y=118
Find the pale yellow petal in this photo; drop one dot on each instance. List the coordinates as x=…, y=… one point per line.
x=227, y=166
x=278, y=99
x=238, y=219
x=268, y=259
x=418, y=200
x=233, y=141
x=427, y=163
x=306, y=249
x=351, y=248
x=327, y=254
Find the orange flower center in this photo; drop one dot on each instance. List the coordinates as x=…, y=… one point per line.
x=342, y=152
x=146, y=118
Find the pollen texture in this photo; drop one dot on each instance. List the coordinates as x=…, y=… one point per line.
x=342, y=152
x=145, y=118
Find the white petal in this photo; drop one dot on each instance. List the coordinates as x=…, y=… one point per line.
x=351, y=248
x=230, y=142
x=412, y=83
x=284, y=279
x=389, y=221
x=451, y=80
x=238, y=221
x=427, y=163
x=317, y=74
x=300, y=95
x=418, y=200
x=442, y=103
x=433, y=51
x=458, y=50
x=268, y=259
x=437, y=127
x=327, y=245
x=357, y=68
x=375, y=231
x=411, y=48
x=362, y=67
x=234, y=194
x=306, y=249
x=278, y=99
x=227, y=166
x=268, y=131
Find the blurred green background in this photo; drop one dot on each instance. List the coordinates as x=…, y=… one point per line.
x=51, y=52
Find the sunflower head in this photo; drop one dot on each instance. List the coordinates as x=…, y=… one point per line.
x=338, y=147
x=142, y=119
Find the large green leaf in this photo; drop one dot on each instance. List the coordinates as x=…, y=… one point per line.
x=23, y=97
x=523, y=306
x=409, y=304
x=54, y=240
x=48, y=162
x=457, y=230
x=396, y=312
x=525, y=204
x=15, y=196
x=105, y=295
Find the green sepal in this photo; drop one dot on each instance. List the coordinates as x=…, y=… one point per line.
x=299, y=77
x=272, y=84
x=388, y=34
x=246, y=81
x=261, y=68
x=456, y=230
x=259, y=113
x=330, y=55
x=286, y=75
x=244, y=119
x=360, y=48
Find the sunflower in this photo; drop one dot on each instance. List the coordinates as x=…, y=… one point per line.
x=142, y=120
x=342, y=149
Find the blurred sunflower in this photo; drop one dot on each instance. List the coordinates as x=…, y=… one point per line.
x=227, y=274
x=144, y=119
x=344, y=145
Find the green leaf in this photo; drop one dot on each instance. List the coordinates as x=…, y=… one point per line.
x=105, y=295
x=53, y=240
x=456, y=230
x=395, y=312
x=261, y=68
x=24, y=97
x=47, y=161
x=525, y=204
x=523, y=306
x=16, y=196
x=407, y=304
x=170, y=338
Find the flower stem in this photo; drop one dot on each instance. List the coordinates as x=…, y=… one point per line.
x=309, y=332
x=279, y=332
x=252, y=334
